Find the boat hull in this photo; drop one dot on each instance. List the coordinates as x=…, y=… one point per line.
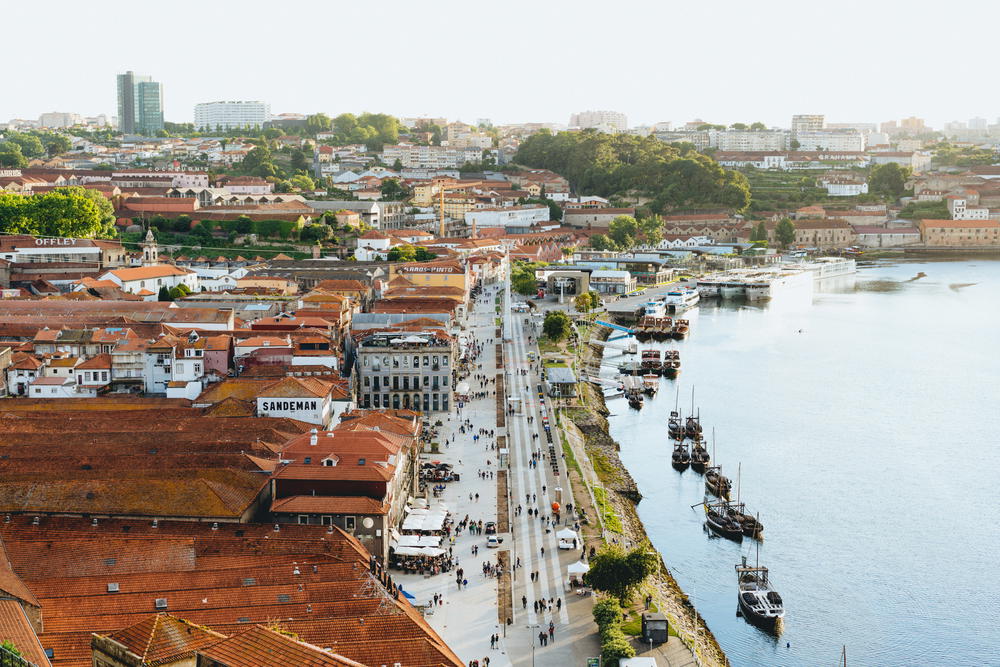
x=679, y=466
x=771, y=624
x=722, y=530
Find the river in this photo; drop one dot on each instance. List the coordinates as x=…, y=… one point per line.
x=865, y=420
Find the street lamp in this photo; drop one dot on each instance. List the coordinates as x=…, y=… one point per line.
x=531, y=628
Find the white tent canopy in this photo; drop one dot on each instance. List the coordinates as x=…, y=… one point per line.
x=462, y=388
x=567, y=539
x=577, y=568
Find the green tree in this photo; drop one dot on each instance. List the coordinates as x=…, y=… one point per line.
x=62, y=212
x=302, y=182
x=11, y=155
x=784, y=232
x=56, y=143
x=31, y=145
x=651, y=228
x=176, y=293
x=259, y=162
x=397, y=165
x=319, y=122
x=523, y=280
x=556, y=325
x=583, y=303
x=758, y=232
x=299, y=162
x=739, y=126
x=424, y=255
x=164, y=294
x=615, y=648
x=10, y=647
x=393, y=190
x=595, y=299
x=402, y=253
x=602, y=242
x=757, y=126
x=619, y=573
x=607, y=612
x=623, y=230
x=889, y=179
x=316, y=232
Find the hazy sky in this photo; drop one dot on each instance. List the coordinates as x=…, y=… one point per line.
x=514, y=61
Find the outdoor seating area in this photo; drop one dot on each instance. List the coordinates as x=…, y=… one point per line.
x=417, y=549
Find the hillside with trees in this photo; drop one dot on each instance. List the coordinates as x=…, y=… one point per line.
x=672, y=176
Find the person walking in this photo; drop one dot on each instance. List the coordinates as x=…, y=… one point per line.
x=524, y=602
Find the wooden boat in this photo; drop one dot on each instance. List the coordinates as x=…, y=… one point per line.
x=650, y=384
x=630, y=368
x=716, y=483
x=719, y=522
x=635, y=400
x=700, y=458
x=692, y=427
x=650, y=362
x=680, y=329
x=671, y=365
x=674, y=428
x=759, y=603
x=680, y=459
x=751, y=525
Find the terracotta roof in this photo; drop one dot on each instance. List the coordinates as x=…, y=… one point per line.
x=100, y=361
x=148, y=272
x=293, y=387
x=329, y=505
x=16, y=629
x=260, y=647
x=264, y=341
x=162, y=639
x=960, y=224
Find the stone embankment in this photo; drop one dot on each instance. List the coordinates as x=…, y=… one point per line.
x=623, y=497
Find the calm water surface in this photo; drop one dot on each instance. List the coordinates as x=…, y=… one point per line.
x=868, y=444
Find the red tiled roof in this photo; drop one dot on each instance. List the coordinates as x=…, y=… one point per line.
x=161, y=639
x=16, y=629
x=329, y=505
x=260, y=647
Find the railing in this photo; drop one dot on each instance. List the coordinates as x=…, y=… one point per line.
x=11, y=659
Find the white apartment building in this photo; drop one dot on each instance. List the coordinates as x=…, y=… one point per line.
x=960, y=209
x=430, y=157
x=57, y=119
x=605, y=121
x=210, y=115
x=830, y=140
x=808, y=122
x=749, y=140
x=514, y=216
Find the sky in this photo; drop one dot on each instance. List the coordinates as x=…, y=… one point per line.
x=660, y=60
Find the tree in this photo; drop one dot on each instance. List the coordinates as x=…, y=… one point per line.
x=784, y=232
x=397, y=165
x=31, y=145
x=56, y=143
x=10, y=647
x=758, y=232
x=164, y=294
x=176, y=293
x=757, y=126
x=302, y=182
x=316, y=232
x=889, y=179
x=738, y=126
x=11, y=155
x=623, y=230
x=794, y=144
x=583, y=302
x=299, y=162
x=316, y=123
x=601, y=242
x=394, y=191
x=63, y=212
x=402, y=253
x=616, y=648
x=619, y=573
x=556, y=325
x=651, y=228
x=595, y=299
x=260, y=162
x=524, y=282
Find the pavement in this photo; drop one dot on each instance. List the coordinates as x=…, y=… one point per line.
x=467, y=617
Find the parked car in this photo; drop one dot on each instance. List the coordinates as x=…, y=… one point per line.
x=491, y=528
x=493, y=542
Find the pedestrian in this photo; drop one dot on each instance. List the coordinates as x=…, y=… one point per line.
x=524, y=602
x=552, y=631
x=559, y=604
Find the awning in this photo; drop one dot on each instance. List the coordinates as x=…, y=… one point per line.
x=577, y=568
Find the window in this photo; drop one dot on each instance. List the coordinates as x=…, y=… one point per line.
x=349, y=523
x=303, y=518
x=445, y=360
x=368, y=381
x=180, y=367
x=197, y=369
x=327, y=520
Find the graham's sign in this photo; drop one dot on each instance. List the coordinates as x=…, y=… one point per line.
x=272, y=405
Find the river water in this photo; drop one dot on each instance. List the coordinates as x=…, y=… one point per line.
x=865, y=423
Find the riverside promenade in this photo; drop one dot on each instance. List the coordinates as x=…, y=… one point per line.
x=468, y=617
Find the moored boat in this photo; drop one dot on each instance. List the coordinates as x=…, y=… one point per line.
x=700, y=457
x=674, y=427
x=719, y=522
x=680, y=329
x=692, y=427
x=651, y=361
x=680, y=458
x=759, y=603
x=716, y=483
x=650, y=383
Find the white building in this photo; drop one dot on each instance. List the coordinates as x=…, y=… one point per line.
x=960, y=209
x=211, y=115
x=429, y=157
x=306, y=399
x=845, y=185
x=830, y=140
x=513, y=216
x=58, y=119
x=605, y=121
x=807, y=122
x=147, y=280
x=749, y=140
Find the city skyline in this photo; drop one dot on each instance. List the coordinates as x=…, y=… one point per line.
x=771, y=83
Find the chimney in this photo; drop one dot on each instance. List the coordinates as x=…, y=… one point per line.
x=313, y=437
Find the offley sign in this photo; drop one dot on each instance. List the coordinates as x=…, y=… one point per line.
x=55, y=242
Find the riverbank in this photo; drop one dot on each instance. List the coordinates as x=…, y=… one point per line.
x=615, y=498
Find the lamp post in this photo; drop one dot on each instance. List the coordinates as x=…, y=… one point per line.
x=531, y=628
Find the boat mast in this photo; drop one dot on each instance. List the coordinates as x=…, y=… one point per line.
x=739, y=467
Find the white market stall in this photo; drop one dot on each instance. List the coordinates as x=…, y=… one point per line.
x=568, y=539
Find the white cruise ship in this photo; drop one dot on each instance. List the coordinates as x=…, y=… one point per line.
x=826, y=267
x=681, y=299
x=772, y=284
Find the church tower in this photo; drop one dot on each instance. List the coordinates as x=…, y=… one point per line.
x=150, y=251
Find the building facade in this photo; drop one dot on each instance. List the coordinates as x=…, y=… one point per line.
x=405, y=368
x=230, y=114
x=605, y=121
x=955, y=233
x=140, y=104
